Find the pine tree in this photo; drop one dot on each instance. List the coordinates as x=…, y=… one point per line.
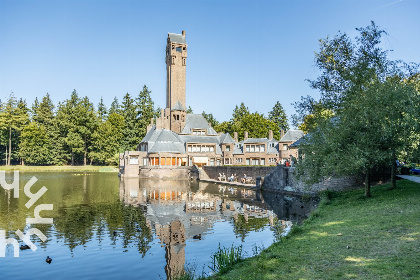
x=278, y=116
x=115, y=106
x=145, y=112
x=102, y=111
x=129, y=111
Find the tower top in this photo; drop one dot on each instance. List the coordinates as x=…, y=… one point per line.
x=177, y=38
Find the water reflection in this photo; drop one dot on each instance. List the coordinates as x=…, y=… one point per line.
x=166, y=223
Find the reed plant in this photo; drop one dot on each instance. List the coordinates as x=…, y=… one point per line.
x=224, y=258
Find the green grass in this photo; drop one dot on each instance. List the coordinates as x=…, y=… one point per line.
x=64, y=168
x=348, y=236
x=224, y=258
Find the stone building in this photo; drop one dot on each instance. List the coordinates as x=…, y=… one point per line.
x=183, y=140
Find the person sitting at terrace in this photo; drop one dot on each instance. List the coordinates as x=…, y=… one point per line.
x=231, y=178
x=244, y=179
x=220, y=177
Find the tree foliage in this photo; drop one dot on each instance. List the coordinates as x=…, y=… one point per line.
x=367, y=114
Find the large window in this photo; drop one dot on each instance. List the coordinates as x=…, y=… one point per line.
x=134, y=160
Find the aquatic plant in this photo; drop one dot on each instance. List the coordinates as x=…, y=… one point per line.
x=224, y=258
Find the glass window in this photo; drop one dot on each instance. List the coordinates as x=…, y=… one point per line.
x=178, y=49
x=189, y=149
x=262, y=149
x=247, y=161
x=247, y=148
x=263, y=161
x=211, y=149
x=134, y=160
x=228, y=148
x=212, y=162
x=252, y=148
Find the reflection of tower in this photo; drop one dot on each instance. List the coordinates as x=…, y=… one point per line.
x=173, y=236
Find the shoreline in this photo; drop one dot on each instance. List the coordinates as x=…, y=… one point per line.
x=347, y=236
x=57, y=168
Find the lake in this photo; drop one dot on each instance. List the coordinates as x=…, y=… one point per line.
x=107, y=227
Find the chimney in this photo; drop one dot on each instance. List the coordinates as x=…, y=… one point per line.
x=183, y=33
x=270, y=135
x=235, y=137
x=281, y=133
x=246, y=135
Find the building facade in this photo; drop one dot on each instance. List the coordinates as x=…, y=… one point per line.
x=180, y=139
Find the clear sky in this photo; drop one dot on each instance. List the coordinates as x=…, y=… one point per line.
x=257, y=52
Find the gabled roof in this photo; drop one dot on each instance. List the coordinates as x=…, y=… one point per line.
x=178, y=107
x=226, y=138
x=255, y=140
x=167, y=147
x=176, y=38
x=197, y=121
x=292, y=136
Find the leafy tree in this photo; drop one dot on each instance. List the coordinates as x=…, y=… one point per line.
x=256, y=125
x=36, y=146
x=211, y=119
x=107, y=139
x=224, y=127
x=190, y=110
x=13, y=117
x=367, y=108
x=278, y=116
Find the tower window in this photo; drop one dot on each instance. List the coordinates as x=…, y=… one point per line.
x=179, y=49
x=183, y=61
x=184, y=48
x=173, y=60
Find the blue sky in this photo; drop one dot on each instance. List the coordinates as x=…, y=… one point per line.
x=256, y=52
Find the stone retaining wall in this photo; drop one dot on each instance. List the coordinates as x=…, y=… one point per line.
x=250, y=171
x=285, y=179
x=174, y=172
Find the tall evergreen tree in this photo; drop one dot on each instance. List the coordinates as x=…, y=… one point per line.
x=129, y=111
x=115, y=106
x=145, y=112
x=211, y=119
x=102, y=111
x=278, y=116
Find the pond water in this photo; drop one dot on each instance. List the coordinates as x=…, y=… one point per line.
x=107, y=227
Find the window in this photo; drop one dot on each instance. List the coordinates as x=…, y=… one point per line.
x=144, y=161
x=284, y=147
x=212, y=162
x=178, y=49
x=212, y=149
x=247, y=161
x=189, y=149
x=184, y=62
x=228, y=148
x=255, y=161
x=262, y=148
x=218, y=162
x=239, y=160
x=263, y=161
x=134, y=160
x=252, y=148
x=173, y=60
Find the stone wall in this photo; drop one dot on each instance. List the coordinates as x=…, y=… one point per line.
x=285, y=179
x=250, y=171
x=168, y=172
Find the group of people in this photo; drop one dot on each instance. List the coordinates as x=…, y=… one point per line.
x=232, y=178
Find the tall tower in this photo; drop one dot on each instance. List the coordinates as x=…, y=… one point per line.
x=176, y=61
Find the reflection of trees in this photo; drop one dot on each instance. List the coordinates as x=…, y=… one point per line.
x=78, y=223
x=243, y=225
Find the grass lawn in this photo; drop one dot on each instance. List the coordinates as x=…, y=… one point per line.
x=64, y=168
x=349, y=236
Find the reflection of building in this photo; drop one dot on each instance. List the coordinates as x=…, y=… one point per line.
x=181, y=139
x=176, y=213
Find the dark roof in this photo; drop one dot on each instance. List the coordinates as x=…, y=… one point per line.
x=197, y=121
x=178, y=107
x=226, y=138
x=292, y=136
x=176, y=38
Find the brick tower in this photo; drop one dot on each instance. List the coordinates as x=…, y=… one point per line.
x=176, y=61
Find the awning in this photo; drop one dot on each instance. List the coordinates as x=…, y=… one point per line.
x=200, y=159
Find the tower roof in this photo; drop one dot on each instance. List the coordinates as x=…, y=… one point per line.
x=178, y=107
x=176, y=38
